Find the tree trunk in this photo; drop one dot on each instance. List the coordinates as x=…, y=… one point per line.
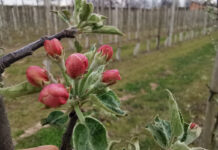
x=5, y=132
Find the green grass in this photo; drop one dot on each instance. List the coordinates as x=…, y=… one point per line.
x=185, y=69
x=44, y=137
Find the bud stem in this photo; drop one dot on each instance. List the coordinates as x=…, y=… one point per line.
x=63, y=70
x=79, y=114
x=82, y=83
x=76, y=85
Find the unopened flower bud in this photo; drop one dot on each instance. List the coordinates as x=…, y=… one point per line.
x=54, y=95
x=53, y=47
x=36, y=76
x=192, y=125
x=76, y=65
x=111, y=76
x=193, y=132
x=107, y=51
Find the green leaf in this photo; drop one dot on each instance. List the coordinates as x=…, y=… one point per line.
x=176, y=119
x=90, y=136
x=91, y=53
x=78, y=46
x=81, y=137
x=107, y=30
x=161, y=131
x=198, y=148
x=56, y=118
x=85, y=11
x=77, y=5
x=92, y=80
x=64, y=15
x=95, y=18
x=18, y=90
x=92, y=48
x=109, y=101
x=184, y=136
x=180, y=146
x=112, y=144
x=216, y=99
x=134, y=144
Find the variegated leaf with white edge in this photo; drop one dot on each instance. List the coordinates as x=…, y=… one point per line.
x=91, y=135
x=198, y=148
x=109, y=101
x=176, y=120
x=18, y=90
x=161, y=132
x=180, y=146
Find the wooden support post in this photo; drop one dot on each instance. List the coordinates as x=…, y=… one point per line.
x=110, y=19
x=211, y=110
x=137, y=46
x=118, y=54
x=148, y=45
x=47, y=4
x=172, y=19
x=205, y=23
x=129, y=20
x=160, y=20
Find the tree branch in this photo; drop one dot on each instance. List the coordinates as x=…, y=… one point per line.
x=66, y=140
x=27, y=50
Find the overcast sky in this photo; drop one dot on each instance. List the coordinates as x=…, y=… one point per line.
x=63, y=2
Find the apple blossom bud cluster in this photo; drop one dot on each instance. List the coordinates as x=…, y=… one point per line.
x=82, y=76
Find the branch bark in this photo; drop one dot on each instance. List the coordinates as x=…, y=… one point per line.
x=66, y=140
x=27, y=50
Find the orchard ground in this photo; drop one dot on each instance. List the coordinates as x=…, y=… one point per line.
x=185, y=69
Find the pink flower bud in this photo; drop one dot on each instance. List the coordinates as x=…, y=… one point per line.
x=76, y=65
x=111, y=76
x=54, y=95
x=193, y=125
x=36, y=76
x=53, y=47
x=107, y=51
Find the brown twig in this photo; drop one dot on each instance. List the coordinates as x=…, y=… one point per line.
x=66, y=140
x=27, y=50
